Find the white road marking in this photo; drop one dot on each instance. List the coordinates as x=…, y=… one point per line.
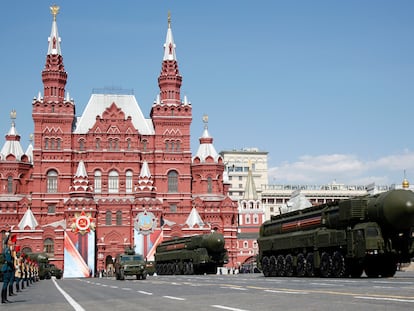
x=233, y=287
x=285, y=292
x=71, y=301
x=385, y=298
x=227, y=308
x=173, y=297
x=145, y=293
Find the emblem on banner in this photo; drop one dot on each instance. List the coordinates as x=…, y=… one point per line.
x=145, y=223
x=83, y=223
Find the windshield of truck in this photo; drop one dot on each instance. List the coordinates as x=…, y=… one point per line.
x=372, y=232
x=132, y=258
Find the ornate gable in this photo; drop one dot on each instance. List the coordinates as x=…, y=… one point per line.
x=113, y=113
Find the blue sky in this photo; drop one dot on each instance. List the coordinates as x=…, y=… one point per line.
x=325, y=86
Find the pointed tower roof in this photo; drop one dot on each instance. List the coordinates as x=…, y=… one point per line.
x=28, y=220
x=54, y=76
x=250, y=192
x=206, y=148
x=12, y=145
x=169, y=80
x=145, y=171
x=145, y=186
x=54, y=39
x=29, y=150
x=80, y=185
x=169, y=45
x=194, y=219
x=81, y=171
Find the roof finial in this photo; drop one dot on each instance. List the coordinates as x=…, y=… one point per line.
x=405, y=183
x=54, y=9
x=169, y=19
x=13, y=116
x=205, y=121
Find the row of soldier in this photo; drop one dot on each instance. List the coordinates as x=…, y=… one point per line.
x=18, y=269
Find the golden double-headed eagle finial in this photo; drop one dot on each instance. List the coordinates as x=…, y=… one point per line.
x=54, y=9
x=13, y=114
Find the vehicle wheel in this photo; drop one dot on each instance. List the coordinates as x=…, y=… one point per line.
x=310, y=269
x=355, y=269
x=280, y=265
x=190, y=268
x=326, y=265
x=289, y=265
x=371, y=268
x=301, y=265
x=266, y=266
x=338, y=265
x=272, y=265
x=388, y=267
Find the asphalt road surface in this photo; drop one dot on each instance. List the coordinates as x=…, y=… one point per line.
x=242, y=292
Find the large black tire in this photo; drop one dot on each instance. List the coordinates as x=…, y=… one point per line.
x=266, y=266
x=338, y=265
x=289, y=265
x=326, y=265
x=310, y=270
x=301, y=265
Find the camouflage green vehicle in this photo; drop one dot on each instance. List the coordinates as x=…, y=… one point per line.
x=196, y=254
x=372, y=233
x=128, y=264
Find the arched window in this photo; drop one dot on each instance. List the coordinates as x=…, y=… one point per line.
x=26, y=250
x=108, y=218
x=9, y=184
x=119, y=218
x=49, y=246
x=52, y=181
x=129, y=144
x=81, y=145
x=144, y=145
x=128, y=181
x=98, y=144
x=209, y=185
x=172, y=181
x=98, y=181
x=113, y=182
x=59, y=144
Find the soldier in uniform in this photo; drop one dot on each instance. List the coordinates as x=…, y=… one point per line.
x=18, y=268
x=12, y=276
x=7, y=267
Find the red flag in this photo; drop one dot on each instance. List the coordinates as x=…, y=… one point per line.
x=17, y=248
x=13, y=238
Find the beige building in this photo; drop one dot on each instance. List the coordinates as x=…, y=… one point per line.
x=237, y=164
x=276, y=198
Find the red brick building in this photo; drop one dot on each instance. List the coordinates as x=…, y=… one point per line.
x=99, y=171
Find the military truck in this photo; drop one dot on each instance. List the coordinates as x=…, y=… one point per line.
x=130, y=263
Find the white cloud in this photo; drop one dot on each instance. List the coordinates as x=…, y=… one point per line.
x=344, y=168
